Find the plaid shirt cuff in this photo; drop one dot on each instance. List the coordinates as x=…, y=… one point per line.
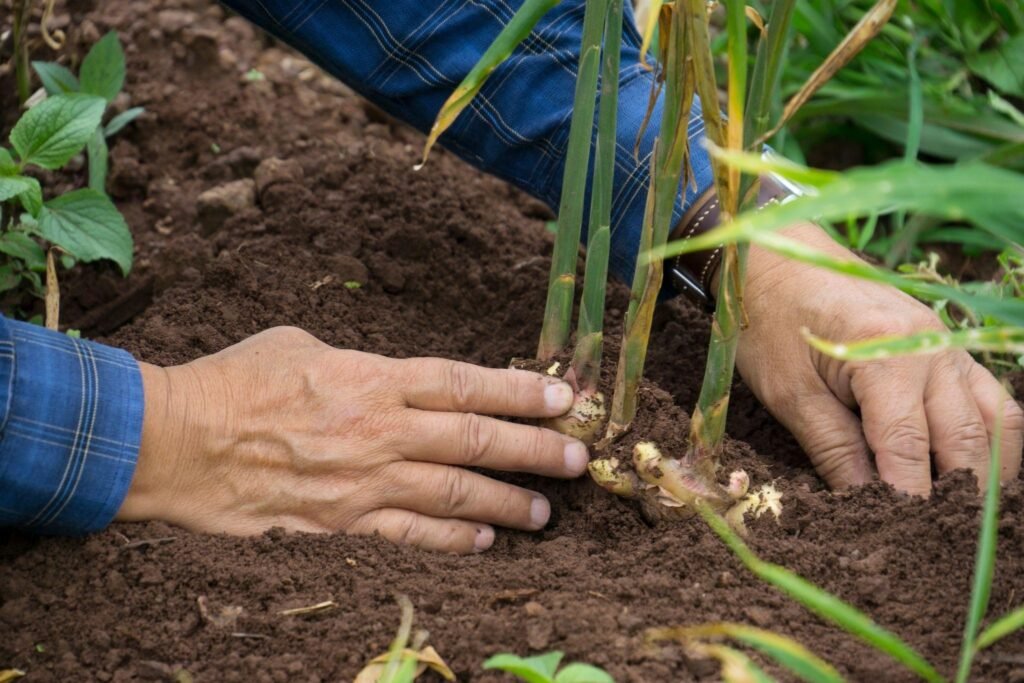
x=70, y=423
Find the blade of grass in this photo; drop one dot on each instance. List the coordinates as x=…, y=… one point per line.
x=787, y=652
x=866, y=29
x=993, y=339
x=515, y=32
x=1004, y=626
x=590, y=329
x=984, y=565
x=554, y=335
x=821, y=602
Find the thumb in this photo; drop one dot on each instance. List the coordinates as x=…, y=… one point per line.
x=832, y=437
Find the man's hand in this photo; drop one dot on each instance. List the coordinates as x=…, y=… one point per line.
x=283, y=430
x=911, y=409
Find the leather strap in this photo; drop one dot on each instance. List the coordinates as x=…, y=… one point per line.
x=691, y=274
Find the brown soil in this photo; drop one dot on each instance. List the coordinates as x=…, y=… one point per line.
x=451, y=264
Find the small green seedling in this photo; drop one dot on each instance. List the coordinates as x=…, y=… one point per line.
x=544, y=669
x=83, y=224
x=102, y=75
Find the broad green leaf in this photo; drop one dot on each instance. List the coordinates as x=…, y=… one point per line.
x=996, y=339
x=539, y=669
x=985, y=562
x=32, y=198
x=56, y=129
x=88, y=225
x=98, y=155
x=515, y=32
x=578, y=672
x=115, y=124
x=1004, y=626
x=12, y=186
x=102, y=71
x=9, y=279
x=821, y=602
x=789, y=653
x=1002, y=66
x=22, y=247
x=56, y=78
x=8, y=166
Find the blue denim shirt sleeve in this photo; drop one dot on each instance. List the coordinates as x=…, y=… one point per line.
x=70, y=423
x=408, y=55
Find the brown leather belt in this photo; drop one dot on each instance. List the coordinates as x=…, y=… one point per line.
x=691, y=274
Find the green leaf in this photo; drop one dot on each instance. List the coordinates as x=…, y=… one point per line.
x=102, y=70
x=996, y=339
x=985, y=562
x=736, y=666
x=821, y=602
x=806, y=665
x=88, y=225
x=578, y=672
x=98, y=161
x=115, y=124
x=1004, y=626
x=56, y=129
x=32, y=199
x=22, y=247
x=9, y=277
x=57, y=79
x=12, y=186
x=539, y=669
x=8, y=166
x=1002, y=66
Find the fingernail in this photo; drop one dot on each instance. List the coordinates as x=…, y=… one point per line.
x=558, y=397
x=576, y=458
x=540, y=511
x=484, y=539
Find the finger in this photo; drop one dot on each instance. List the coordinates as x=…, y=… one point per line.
x=429, y=533
x=833, y=439
x=891, y=399
x=453, y=492
x=956, y=430
x=993, y=400
x=451, y=386
x=470, y=440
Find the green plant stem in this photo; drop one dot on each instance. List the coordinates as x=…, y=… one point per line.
x=707, y=428
x=669, y=155
x=554, y=335
x=590, y=331
x=984, y=565
x=19, y=30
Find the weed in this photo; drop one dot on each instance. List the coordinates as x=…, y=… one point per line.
x=544, y=669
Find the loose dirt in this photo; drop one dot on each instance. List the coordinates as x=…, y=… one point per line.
x=448, y=263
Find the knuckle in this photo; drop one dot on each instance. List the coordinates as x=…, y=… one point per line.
x=905, y=440
x=287, y=335
x=455, y=490
x=969, y=436
x=1013, y=416
x=476, y=438
x=408, y=530
x=462, y=382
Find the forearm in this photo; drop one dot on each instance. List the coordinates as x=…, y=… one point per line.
x=408, y=55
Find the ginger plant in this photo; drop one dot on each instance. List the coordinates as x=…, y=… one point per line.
x=685, y=71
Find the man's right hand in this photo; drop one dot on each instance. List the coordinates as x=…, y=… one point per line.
x=283, y=430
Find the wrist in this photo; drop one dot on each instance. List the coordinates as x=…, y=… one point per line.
x=168, y=445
